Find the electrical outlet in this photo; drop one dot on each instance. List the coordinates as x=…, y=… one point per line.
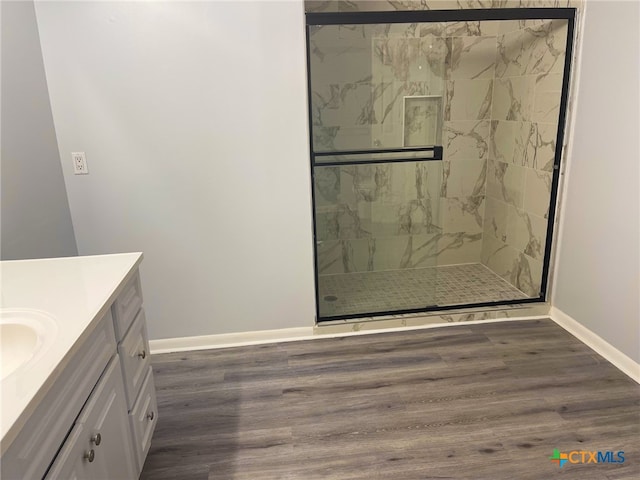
x=79, y=163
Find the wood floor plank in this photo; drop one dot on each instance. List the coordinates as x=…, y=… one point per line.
x=485, y=401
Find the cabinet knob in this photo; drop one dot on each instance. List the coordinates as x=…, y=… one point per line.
x=150, y=415
x=90, y=455
x=97, y=439
x=142, y=354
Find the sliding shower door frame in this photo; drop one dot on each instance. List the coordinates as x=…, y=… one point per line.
x=431, y=16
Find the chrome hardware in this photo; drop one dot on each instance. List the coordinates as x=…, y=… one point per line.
x=90, y=455
x=142, y=354
x=97, y=439
x=150, y=416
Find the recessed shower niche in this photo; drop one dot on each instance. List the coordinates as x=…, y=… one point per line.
x=435, y=153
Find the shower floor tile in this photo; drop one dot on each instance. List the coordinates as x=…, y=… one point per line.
x=390, y=290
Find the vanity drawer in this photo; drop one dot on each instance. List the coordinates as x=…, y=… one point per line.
x=126, y=306
x=135, y=358
x=31, y=453
x=144, y=417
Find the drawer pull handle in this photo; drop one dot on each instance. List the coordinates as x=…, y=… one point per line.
x=150, y=416
x=90, y=455
x=97, y=439
x=143, y=354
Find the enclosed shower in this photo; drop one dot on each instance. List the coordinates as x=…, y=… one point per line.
x=435, y=151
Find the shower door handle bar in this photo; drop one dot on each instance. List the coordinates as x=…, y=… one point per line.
x=371, y=162
x=433, y=148
x=378, y=156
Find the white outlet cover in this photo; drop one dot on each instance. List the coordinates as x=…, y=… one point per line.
x=79, y=163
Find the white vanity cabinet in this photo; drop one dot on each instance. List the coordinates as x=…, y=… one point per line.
x=96, y=448
x=97, y=419
x=31, y=453
x=133, y=350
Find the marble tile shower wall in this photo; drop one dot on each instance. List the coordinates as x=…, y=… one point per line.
x=389, y=216
x=488, y=200
x=392, y=5
x=524, y=124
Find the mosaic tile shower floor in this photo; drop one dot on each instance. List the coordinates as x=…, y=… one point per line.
x=368, y=292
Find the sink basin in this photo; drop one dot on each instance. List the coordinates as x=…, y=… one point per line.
x=24, y=336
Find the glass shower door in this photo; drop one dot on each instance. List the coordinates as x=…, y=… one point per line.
x=436, y=149
x=376, y=105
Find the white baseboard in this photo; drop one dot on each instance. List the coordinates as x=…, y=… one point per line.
x=226, y=340
x=626, y=364
x=258, y=337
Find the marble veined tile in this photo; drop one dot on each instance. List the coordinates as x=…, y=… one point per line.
x=341, y=138
x=531, y=283
x=494, y=253
x=466, y=140
x=414, y=180
x=536, y=3
x=330, y=256
x=405, y=58
x=468, y=99
x=547, y=96
x=505, y=181
x=361, y=254
x=341, y=63
x=459, y=247
x=511, y=53
x=545, y=44
x=428, y=250
x=495, y=219
x=327, y=186
x=535, y=145
x=408, y=218
x=508, y=26
x=464, y=214
x=408, y=251
x=324, y=138
x=417, y=216
x=399, y=198
x=367, y=183
x=389, y=131
x=436, y=29
x=538, y=47
x=472, y=57
x=347, y=104
x=526, y=232
x=513, y=98
x=463, y=178
x=471, y=28
x=503, y=140
x=514, y=266
x=391, y=5
x=412, y=251
x=346, y=256
x=422, y=121
x=335, y=35
x=537, y=192
x=343, y=222
x=395, y=30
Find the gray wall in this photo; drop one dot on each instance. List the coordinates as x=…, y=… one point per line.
x=193, y=119
x=35, y=217
x=598, y=279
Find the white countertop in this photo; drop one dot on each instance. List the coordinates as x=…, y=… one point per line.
x=76, y=292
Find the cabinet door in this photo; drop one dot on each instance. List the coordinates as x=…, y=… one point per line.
x=71, y=463
x=101, y=446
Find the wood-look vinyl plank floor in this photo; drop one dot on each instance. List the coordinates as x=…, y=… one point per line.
x=485, y=401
